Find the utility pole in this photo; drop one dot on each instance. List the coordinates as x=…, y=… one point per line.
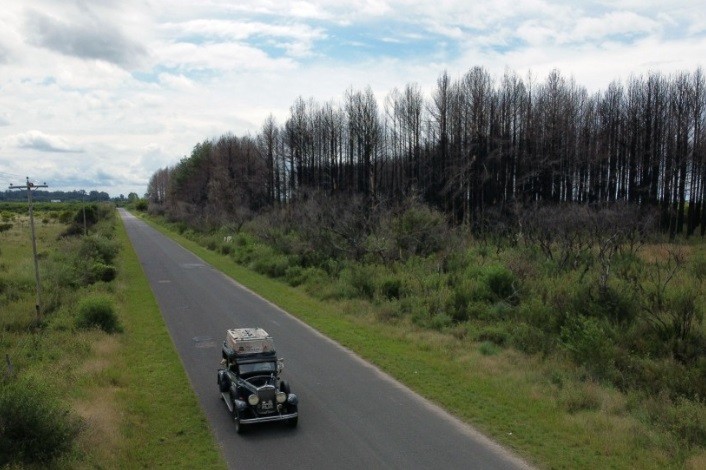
x=29, y=186
x=83, y=205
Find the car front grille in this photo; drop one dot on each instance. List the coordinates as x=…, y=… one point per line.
x=267, y=399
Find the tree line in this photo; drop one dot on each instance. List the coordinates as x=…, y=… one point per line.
x=48, y=196
x=474, y=148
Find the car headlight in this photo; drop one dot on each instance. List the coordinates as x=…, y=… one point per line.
x=281, y=397
x=253, y=400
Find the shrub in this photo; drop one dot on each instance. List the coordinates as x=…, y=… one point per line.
x=684, y=418
x=500, y=282
x=496, y=334
x=467, y=299
x=488, y=348
x=614, y=302
x=98, y=312
x=500, y=311
x=538, y=314
x=65, y=217
x=530, y=339
x=580, y=398
x=294, y=275
x=586, y=339
x=440, y=321
x=34, y=427
x=420, y=230
x=102, y=272
x=98, y=248
x=274, y=266
x=388, y=312
x=363, y=280
x=141, y=205
x=698, y=266
x=391, y=288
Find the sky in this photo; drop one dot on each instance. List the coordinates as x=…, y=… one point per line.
x=99, y=94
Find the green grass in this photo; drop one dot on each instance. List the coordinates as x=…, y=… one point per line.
x=542, y=409
x=114, y=384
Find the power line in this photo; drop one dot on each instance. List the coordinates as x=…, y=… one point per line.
x=29, y=186
x=4, y=174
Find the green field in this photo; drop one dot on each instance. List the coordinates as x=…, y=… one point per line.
x=542, y=406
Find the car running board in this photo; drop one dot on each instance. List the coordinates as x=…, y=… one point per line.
x=229, y=402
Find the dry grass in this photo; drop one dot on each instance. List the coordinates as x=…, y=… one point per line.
x=661, y=252
x=101, y=438
x=697, y=462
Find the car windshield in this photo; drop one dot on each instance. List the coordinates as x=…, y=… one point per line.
x=263, y=367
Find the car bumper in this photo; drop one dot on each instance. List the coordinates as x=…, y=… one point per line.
x=267, y=419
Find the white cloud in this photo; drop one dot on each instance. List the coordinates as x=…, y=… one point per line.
x=613, y=24
x=42, y=142
x=85, y=37
x=135, y=85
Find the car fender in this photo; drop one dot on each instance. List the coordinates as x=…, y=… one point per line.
x=223, y=381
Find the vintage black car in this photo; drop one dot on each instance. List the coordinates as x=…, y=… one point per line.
x=250, y=382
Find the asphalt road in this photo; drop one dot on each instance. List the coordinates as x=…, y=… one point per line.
x=351, y=415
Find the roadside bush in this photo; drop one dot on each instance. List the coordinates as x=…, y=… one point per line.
x=530, y=339
x=582, y=397
x=698, y=266
x=539, y=314
x=95, y=247
x=274, y=266
x=391, y=288
x=468, y=299
x=35, y=429
x=101, y=272
x=683, y=418
x=488, y=348
x=98, y=312
x=588, y=343
x=12, y=290
x=440, y=321
x=496, y=334
x=420, y=230
x=363, y=280
x=500, y=282
x=65, y=217
x=614, y=302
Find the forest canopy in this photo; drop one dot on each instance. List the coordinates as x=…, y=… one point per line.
x=476, y=147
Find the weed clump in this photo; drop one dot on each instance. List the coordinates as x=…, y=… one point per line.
x=98, y=312
x=35, y=428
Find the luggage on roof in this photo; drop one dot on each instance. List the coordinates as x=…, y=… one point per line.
x=249, y=341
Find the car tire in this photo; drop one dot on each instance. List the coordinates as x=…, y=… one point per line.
x=292, y=422
x=239, y=427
